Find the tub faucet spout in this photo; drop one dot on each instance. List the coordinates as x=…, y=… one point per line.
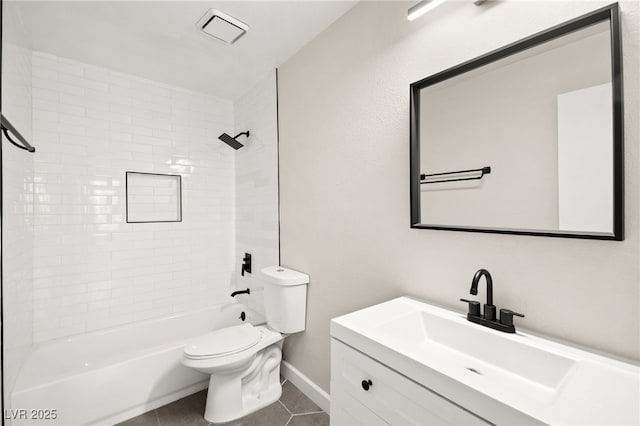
x=235, y=293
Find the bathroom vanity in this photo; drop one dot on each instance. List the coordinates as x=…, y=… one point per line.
x=408, y=362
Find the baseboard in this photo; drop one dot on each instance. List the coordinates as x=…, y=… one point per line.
x=306, y=386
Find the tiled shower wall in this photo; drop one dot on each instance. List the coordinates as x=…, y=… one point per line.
x=257, y=186
x=17, y=226
x=17, y=214
x=91, y=268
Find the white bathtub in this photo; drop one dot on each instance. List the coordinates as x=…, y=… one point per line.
x=111, y=375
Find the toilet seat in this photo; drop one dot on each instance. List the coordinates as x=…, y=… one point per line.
x=223, y=342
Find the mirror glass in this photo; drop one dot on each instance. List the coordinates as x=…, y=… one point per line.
x=521, y=144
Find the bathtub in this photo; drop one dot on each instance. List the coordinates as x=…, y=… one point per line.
x=108, y=376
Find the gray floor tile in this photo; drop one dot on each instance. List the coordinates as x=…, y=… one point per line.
x=271, y=415
x=316, y=419
x=187, y=411
x=296, y=401
x=147, y=419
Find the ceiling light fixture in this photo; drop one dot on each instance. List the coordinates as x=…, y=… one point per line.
x=422, y=7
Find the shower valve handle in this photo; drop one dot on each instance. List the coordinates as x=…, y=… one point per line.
x=246, y=264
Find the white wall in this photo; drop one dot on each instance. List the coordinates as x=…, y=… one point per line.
x=257, y=186
x=344, y=158
x=92, y=270
x=17, y=195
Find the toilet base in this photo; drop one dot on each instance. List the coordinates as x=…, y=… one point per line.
x=235, y=395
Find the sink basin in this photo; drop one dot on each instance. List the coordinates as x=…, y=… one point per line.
x=480, y=351
x=501, y=377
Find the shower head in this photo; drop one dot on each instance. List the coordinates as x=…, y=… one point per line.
x=231, y=141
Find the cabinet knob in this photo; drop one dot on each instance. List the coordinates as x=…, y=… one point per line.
x=366, y=384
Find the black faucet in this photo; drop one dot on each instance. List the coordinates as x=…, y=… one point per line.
x=489, y=308
x=489, y=318
x=235, y=293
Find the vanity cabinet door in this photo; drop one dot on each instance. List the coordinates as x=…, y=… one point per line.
x=348, y=411
x=360, y=383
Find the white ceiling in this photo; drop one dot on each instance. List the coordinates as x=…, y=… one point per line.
x=159, y=40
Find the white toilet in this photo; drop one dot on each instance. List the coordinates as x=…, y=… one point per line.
x=244, y=360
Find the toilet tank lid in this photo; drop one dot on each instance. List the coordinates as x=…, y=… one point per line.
x=279, y=275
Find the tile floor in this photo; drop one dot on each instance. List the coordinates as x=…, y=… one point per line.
x=293, y=409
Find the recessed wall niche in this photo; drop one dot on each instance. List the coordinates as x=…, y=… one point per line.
x=153, y=197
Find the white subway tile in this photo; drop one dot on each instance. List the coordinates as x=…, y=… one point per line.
x=83, y=82
x=109, y=123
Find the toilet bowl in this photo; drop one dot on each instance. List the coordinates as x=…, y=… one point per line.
x=244, y=364
x=244, y=360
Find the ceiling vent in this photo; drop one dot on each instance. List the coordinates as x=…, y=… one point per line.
x=222, y=27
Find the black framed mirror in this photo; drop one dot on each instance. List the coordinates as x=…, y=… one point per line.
x=527, y=139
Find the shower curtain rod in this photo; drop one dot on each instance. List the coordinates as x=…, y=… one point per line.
x=7, y=127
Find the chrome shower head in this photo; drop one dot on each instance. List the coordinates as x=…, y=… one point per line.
x=232, y=141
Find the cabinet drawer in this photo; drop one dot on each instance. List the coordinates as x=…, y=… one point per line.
x=391, y=397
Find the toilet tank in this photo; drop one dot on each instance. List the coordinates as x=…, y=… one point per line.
x=285, y=298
